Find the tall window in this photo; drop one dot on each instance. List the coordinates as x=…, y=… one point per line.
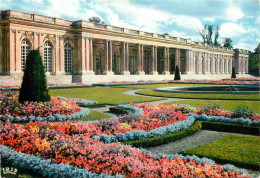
x=210, y=65
x=216, y=65
x=241, y=66
x=225, y=66
x=47, y=56
x=25, y=49
x=228, y=66
x=220, y=68
x=202, y=65
x=196, y=65
x=67, y=55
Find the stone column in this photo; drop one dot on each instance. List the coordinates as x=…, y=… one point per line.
x=110, y=57
x=124, y=70
x=62, y=62
x=41, y=44
x=140, y=61
x=153, y=54
x=11, y=52
x=155, y=62
x=142, y=58
x=247, y=65
x=106, y=71
x=166, y=59
x=177, y=58
x=81, y=56
x=127, y=57
x=89, y=56
x=18, y=51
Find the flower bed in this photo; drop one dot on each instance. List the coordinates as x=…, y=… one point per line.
x=243, y=81
x=58, y=109
x=65, y=146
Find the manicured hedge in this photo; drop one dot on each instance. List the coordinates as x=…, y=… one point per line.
x=224, y=127
x=118, y=111
x=155, y=141
x=93, y=105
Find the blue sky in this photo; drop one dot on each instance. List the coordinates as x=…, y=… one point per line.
x=238, y=19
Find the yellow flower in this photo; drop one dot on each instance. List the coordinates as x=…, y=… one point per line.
x=198, y=171
x=125, y=126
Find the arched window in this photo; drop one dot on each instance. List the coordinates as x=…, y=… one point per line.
x=48, y=56
x=67, y=57
x=25, y=49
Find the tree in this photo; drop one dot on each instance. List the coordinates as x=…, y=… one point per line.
x=96, y=20
x=34, y=85
x=254, y=61
x=210, y=35
x=177, y=75
x=228, y=43
x=233, y=75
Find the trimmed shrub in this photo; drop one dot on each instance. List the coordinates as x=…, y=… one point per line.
x=34, y=85
x=235, y=128
x=155, y=141
x=118, y=111
x=233, y=75
x=177, y=75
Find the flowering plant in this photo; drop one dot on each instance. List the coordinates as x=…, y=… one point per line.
x=63, y=146
x=57, y=105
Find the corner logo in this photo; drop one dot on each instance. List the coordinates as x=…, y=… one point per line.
x=9, y=170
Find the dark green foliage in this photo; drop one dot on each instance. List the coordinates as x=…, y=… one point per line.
x=155, y=141
x=235, y=128
x=240, y=151
x=233, y=75
x=92, y=105
x=217, y=126
x=228, y=43
x=254, y=61
x=34, y=85
x=118, y=111
x=177, y=75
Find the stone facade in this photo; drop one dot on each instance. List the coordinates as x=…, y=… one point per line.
x=82, y=51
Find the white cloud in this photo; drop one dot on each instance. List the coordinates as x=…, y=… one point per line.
x=187, y=22
x=59, y=8
x=35, y=1
x=124, y=14
x=233, y=13
x=231, y=30
x=247, y=46
x=209, y=19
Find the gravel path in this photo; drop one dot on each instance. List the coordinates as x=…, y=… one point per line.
x=164, y=100
x=104, y=110
x=200, y=138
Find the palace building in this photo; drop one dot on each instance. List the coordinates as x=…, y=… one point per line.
x=87, y=52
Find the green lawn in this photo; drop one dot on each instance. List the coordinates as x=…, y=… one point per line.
x=107, y=95
x=151, y=92
x=242, y=151
x=229, y=105
x=95, y=115
x=153, y=86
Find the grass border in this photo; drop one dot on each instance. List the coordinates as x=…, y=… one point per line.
x=253, y=166
x=199, y=125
